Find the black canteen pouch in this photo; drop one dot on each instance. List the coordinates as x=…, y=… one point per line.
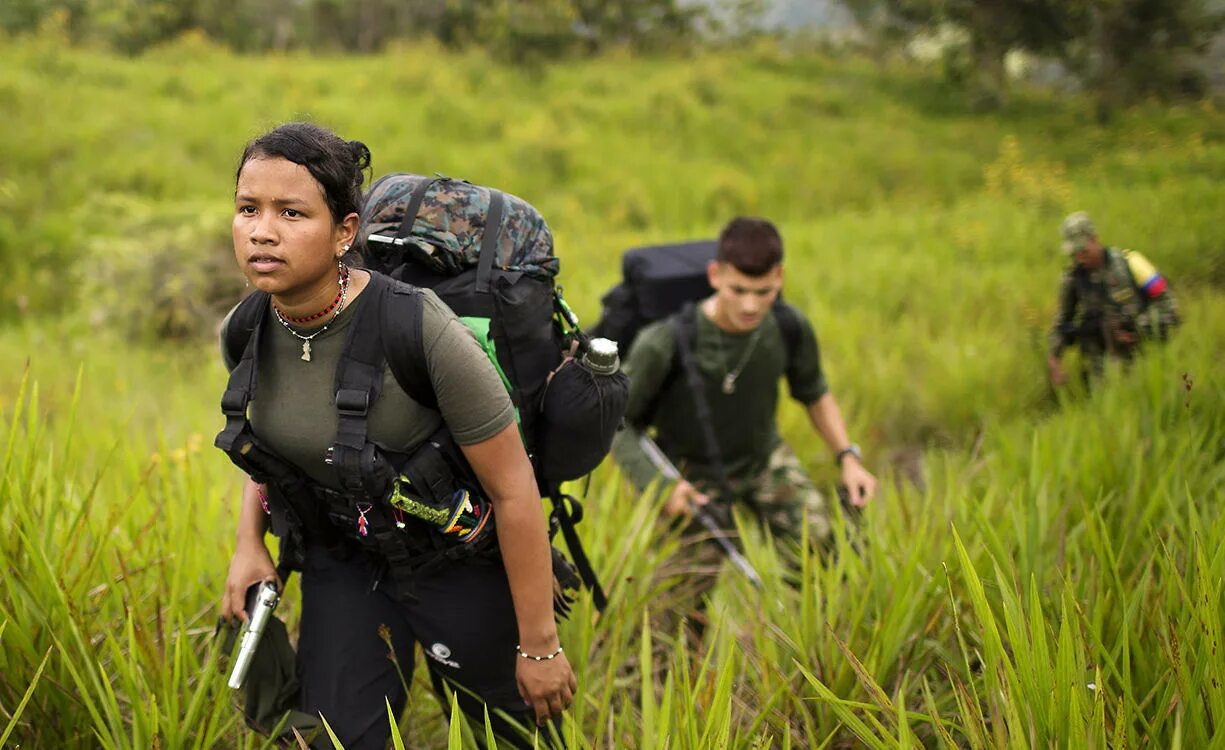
x=289, y=521
x=580, y=413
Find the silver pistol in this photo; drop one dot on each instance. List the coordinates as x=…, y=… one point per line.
x=262, y=599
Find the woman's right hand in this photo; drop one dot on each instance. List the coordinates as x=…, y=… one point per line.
x=251, y=564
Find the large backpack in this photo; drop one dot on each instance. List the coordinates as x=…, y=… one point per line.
x=658, y=281
x=489, y=256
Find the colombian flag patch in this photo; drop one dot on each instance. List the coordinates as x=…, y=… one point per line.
x=1146, y=276
x=1154, y=287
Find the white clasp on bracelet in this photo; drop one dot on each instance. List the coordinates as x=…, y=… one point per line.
x=550, y=657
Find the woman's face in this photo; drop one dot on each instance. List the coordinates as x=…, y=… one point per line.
x=285, y=240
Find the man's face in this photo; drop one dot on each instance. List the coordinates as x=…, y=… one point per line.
x=1092, y=256
x=743, y=301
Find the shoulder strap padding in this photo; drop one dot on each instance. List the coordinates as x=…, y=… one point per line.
x=791, y=326
x=246, y=316
x=402, y=312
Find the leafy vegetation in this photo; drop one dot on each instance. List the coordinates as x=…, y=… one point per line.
x=1043, y=570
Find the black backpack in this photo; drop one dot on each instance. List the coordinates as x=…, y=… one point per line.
x=662, y=280
x=435, y=233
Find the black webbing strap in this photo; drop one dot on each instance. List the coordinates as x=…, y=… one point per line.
x=401, y=565
x=569, y=511
x=241, y=387
x=489, y=240
x=359, y=381
x=685, y=331
x=414, y=207
x=235, y=438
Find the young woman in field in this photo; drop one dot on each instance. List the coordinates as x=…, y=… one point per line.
x=485, y=621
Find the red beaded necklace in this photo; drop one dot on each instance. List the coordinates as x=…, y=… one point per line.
x=340, y=293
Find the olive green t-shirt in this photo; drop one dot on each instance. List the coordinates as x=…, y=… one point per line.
x=744, y=421
x=293, y=409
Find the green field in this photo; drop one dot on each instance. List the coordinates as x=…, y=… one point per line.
x=1040, y=572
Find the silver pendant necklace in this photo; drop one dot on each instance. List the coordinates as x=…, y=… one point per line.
x=306, y=340
x=730, y=376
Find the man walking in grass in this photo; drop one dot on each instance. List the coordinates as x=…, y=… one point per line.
x=1110, y=301
x=715, y=419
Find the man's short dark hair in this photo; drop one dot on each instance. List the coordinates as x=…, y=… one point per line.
x=753, y=246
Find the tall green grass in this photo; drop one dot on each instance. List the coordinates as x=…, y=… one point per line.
x=1042, y=570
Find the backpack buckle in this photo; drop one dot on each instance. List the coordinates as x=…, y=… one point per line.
x=351, y=402
x=234, y=402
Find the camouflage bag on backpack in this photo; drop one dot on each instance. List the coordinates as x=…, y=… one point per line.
x=446, y=233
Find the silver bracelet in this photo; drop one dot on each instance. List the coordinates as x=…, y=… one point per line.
x=550, y=657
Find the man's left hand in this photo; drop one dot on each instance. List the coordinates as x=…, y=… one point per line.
x=859, y=481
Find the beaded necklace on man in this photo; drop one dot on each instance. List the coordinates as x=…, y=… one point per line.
x=337, y=305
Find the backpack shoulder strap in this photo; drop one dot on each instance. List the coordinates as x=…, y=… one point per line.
x=242, y=322
x=241, y=345
x=401, y=312
x=791, y=326
x=685, y=330
x=680, y=327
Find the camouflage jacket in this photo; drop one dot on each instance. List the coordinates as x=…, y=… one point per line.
x=1126, y=295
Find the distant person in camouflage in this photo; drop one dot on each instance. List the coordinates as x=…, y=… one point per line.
x=741, y=351
x=1110, y=302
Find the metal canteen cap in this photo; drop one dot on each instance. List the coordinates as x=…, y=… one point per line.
x=601, y=356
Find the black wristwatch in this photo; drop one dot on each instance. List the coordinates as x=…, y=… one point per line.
x=850, y=450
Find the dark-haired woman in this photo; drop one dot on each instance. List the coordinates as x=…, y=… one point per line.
x=485, y=625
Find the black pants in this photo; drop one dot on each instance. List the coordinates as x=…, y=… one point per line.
x=461, y=614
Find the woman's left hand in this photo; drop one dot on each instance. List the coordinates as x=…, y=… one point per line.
x=548, y=687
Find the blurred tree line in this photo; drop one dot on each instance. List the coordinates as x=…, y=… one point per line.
x=517, y=29
x=1121, y=50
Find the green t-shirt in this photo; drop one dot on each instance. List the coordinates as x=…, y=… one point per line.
x=744, y=421
x=293, y=410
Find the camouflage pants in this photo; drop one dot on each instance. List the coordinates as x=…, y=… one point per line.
x=779, y=497
x=1094, y=353
x=1097, y=342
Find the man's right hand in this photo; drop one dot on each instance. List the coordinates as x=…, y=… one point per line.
x=684, y=499
x=251, y=564
x=1058, y=376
